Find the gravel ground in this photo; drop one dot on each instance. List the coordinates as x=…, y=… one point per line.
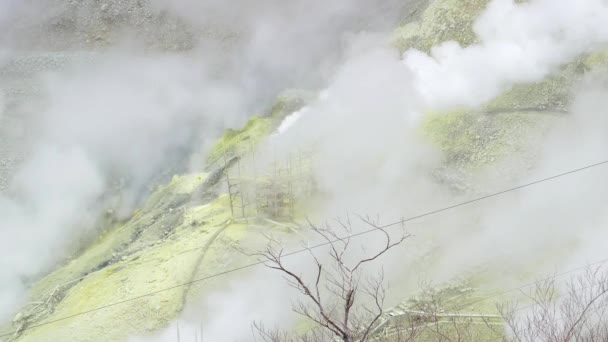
x=11, y=144
x=88, y=24
x=18, y=86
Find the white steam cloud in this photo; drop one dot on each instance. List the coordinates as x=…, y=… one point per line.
x=123, y=116
x=127, y=116
x=518, y=43
x=226, y=315
x=550, y=227
x=372, y=161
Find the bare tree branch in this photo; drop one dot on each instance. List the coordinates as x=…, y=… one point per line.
x=575, y=315
x=339, y=312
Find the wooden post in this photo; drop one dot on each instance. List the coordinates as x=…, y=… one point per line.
x=226, y=171
x=290, y=180
x=241, y=190
x=274, y=190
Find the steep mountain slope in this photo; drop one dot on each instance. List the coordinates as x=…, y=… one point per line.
x=140, y=272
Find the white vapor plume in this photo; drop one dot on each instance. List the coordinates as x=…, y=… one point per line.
x=367, y=142
x=133, y=115
x=125, y=116
x=517, y=43
x=286, y=44
x=228, y=314
x=34, y=225
x=550, y=227
x=371, y=159
x=98, y=125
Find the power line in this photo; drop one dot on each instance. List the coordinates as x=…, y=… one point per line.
x=478, y=199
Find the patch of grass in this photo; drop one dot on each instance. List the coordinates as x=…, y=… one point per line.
x=552, y=93
x=238, y=142
x=474, y=139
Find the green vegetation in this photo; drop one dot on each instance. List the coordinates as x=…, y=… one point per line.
x=553, y=93
x=175, y=237
x=138, y=256
x=474, y=139
x=238, y=142
x=147, y=254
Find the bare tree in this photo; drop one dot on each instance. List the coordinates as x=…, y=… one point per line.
x=339, y=298
x=347, y=306
x=576, y=313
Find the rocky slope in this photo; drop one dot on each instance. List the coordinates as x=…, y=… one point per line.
x=80, y=25
x=139, y=272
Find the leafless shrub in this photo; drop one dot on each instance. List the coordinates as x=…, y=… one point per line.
x=346, y=306
x=574, y=312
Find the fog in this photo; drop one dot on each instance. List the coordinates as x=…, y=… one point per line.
x=128, y=116
x=518, y=43
x=371, y=158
